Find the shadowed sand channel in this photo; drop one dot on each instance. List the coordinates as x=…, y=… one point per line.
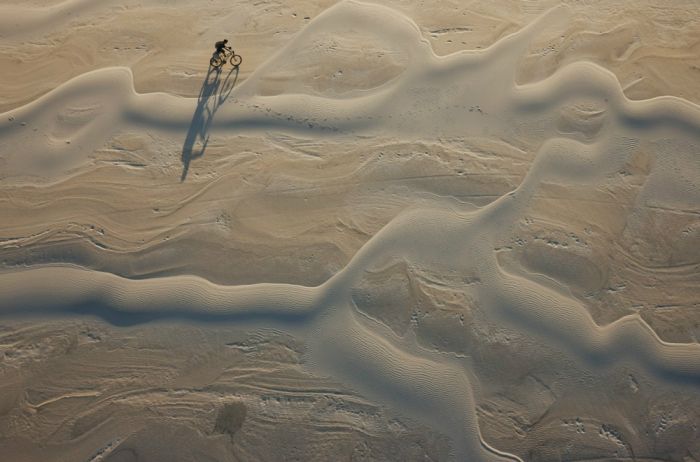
x=431, y=96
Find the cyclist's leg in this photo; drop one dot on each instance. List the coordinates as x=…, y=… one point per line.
x=217, y=59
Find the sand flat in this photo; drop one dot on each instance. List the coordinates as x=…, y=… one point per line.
x=450, y=231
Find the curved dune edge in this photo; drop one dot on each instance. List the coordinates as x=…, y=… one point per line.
x=444, y=237
x=27, y=21
x=109, y=94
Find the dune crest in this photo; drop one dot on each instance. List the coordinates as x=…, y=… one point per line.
x=449, y=257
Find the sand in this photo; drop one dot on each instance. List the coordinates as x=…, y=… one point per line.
x=451, y=231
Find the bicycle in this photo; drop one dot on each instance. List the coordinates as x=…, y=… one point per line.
x=228, y=55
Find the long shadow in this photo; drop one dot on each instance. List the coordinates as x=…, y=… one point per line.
x=103, y=310
x=212, y=95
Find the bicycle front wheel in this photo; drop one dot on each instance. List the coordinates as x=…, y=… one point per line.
x=236, y=60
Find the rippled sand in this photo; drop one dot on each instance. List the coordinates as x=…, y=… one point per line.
x=403, y=232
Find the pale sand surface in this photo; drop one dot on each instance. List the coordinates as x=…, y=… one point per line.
x=446, y=231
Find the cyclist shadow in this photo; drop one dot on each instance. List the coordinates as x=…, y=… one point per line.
x=212, y=95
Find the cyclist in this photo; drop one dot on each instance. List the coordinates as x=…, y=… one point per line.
x=221, y=46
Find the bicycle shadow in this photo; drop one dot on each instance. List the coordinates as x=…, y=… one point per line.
x=212, y=95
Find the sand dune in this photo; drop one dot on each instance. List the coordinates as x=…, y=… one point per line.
x=466, y=250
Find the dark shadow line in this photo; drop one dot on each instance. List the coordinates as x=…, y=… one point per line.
x=212, y=95
x=119, y=318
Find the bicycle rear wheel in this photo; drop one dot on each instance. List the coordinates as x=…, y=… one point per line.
x=216, y=61
x=236, y=60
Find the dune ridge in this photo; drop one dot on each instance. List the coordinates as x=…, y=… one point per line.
x=465, y=94
x=111, y=101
